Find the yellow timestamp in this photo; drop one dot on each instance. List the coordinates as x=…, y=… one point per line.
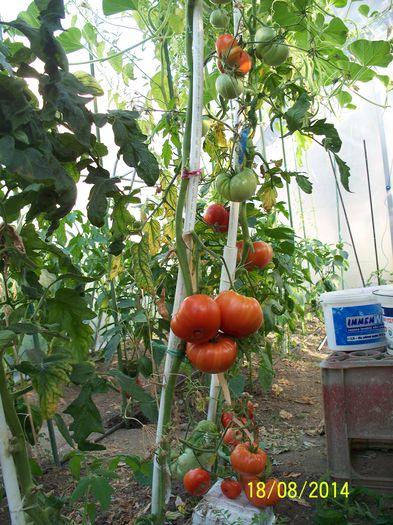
x=294, y=490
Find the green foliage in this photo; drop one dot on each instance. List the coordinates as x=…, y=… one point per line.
x=69, y=309
x=48, y=375
x=86, y=417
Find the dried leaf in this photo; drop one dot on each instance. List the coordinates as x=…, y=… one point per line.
x=304, y=401
x=302, y=502
x=161, y=306
x=292, y=474
x=285, y=415
x=276, y=389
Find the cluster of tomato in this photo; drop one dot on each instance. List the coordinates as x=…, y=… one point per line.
x=248, y=460
x=248, y=463
x=234, y=62
x=209, y=325
x=262, y=252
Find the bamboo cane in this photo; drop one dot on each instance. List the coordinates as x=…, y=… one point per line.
x=8, y=470
x=160, y=478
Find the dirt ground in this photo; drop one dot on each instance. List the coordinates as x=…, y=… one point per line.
x=292, y=431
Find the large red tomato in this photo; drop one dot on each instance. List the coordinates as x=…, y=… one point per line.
x=217, y=216
x=197, y=320
x=231, y=488
x=240, y=315
x=248, y=459
x=265, y=495
x=236, y=60
x=214, y=356
x=239, y=60
x=224, y=44
x=259, y=258
x=197, y=481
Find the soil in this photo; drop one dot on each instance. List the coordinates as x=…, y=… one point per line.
x=292, y=430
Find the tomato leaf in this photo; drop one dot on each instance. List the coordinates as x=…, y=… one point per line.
x=304, y=183
x=86, y=417
x=129, y=385
x=63, y=429
x=48, y=375
x=140, y=260
x=103, y=187
x=344, y=172
x=69, y=310
x=131, y=142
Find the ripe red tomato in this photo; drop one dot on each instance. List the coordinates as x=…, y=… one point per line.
x=217, y=216
x=246, y=478
x=231, y=488
x=226, y=418
x=197, y=481
x=239, y=60
x=240, y=315
x=197, y=320
x=259, y=258
x=250, y=410
x=248, y=459
x=266, y=498
x=214, y=356
x=224, y=44
x=232, y=437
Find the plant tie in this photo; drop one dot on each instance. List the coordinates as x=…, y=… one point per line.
x=186, y=174
x=175, y=353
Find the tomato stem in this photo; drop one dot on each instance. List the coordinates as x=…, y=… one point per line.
x=247, y=246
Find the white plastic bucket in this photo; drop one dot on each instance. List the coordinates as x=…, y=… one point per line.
x=384, y=295
x=353, y=319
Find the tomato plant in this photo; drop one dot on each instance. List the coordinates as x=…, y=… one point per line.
x=231, y=488
x=213, y=356
x=197, y=481
x=240, y=315
x=197, y=320
x=217, y=216
x=259, y=257
x=237, y=187
x=248, y=459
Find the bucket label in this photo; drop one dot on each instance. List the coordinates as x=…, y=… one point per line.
x=354, y=325
x=388, y=321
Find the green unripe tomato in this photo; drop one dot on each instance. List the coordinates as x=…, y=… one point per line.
x=185, y=462
x=228, y=86
x=219, y=19
x=238, y=187
x=264, y=40
x=276, y=55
